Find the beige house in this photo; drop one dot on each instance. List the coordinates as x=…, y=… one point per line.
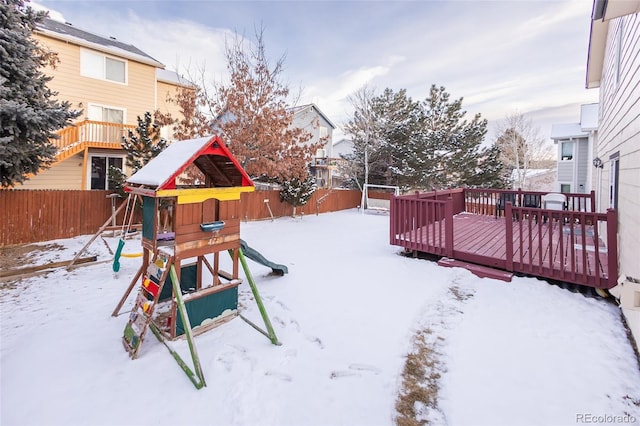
x=112, y=83
x=614, y=67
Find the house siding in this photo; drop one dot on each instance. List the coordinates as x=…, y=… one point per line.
x=565, y=172
x=65, y=175
x=619, y=133
x=582, y=166
x=165, y=92
x=136, y=97
x=306, y=119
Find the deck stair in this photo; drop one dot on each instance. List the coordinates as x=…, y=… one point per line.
x=477, y=270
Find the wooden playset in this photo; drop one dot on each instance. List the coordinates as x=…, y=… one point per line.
x=180, y=288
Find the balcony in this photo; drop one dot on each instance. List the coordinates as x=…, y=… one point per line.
x=89, y=134
x=575, y=244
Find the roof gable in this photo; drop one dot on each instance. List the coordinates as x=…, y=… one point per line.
x=209, y=154
x=301, y=108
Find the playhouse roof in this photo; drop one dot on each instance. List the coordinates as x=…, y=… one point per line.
x=209, y=154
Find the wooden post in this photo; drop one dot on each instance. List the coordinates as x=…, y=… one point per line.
x=593, y=201
x=508, y=223
x=392, y=222
x=448, y=227
x=132, y=284
x=612, y=247
x=95, y=236
x=270, y=333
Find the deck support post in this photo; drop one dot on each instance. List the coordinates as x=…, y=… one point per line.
x=612, y=247
x=448, y=226
x=508, y=223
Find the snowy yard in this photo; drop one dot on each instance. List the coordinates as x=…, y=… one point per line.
x=520, y=353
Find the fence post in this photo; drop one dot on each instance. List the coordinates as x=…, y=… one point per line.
x=612, y=247
x=448, y=226
x=593, y=201
x=508, y=223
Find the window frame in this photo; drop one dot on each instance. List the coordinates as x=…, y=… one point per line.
x=106, y=156
x=87, y=71
x=614, y=179
x=562, y=145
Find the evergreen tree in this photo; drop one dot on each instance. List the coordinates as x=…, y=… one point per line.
x=488, y=171
x=141, y=146
x=399, y=120
x=29, y=113
x=297, y=192
x=450, y=144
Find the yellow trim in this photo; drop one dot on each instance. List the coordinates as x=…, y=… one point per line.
x=198, y=195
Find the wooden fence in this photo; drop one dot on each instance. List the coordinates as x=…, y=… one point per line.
x=32, y=216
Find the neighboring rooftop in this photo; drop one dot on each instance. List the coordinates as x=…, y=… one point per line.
x=588, y=122
x=298, y=109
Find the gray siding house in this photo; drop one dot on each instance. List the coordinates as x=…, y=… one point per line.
x=576, y=143
x=613, y=66
x=310, y=118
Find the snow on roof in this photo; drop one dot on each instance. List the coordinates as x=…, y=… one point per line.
x=168, y=162
x=68, y=32
x=530, y=173
x=589, y=117
x=565, y=131
x=172, y=77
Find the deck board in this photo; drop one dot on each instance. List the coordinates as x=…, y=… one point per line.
x=541, y=249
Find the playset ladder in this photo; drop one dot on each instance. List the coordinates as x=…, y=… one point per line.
x=141, y=315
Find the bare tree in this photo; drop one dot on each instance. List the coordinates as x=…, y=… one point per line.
x=362, y=130
x=521, y=146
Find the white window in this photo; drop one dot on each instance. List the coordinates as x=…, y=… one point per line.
x=613, y=180
x=109, y=126
x=99, y=171
x=97, y=65
x=105, y=113
x=567, y=151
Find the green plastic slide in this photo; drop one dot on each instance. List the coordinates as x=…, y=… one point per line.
x=258, y=258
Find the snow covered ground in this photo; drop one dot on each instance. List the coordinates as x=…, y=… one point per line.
x=522, y=353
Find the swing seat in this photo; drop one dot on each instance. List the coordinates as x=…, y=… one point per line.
x=212, y=226
x=116, y=257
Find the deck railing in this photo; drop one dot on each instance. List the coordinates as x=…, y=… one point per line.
x=576, y=245
x=96, y=134
x=424, y=221
x=485, y=201
x=585, y=251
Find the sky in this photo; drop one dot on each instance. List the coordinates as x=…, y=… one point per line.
x=524, y=353
x=502, y=57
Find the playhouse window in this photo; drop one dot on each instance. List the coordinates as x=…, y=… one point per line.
x=100, y=171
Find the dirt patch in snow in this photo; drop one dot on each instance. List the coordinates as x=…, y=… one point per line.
x=417, y=402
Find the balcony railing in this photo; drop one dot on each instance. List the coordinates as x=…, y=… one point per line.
x=91, y=134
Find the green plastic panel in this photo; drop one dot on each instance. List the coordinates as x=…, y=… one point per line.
x=188, y=276
x=208, y=307
x=148, y=217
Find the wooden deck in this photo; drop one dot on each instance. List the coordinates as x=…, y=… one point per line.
x=564, y=246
